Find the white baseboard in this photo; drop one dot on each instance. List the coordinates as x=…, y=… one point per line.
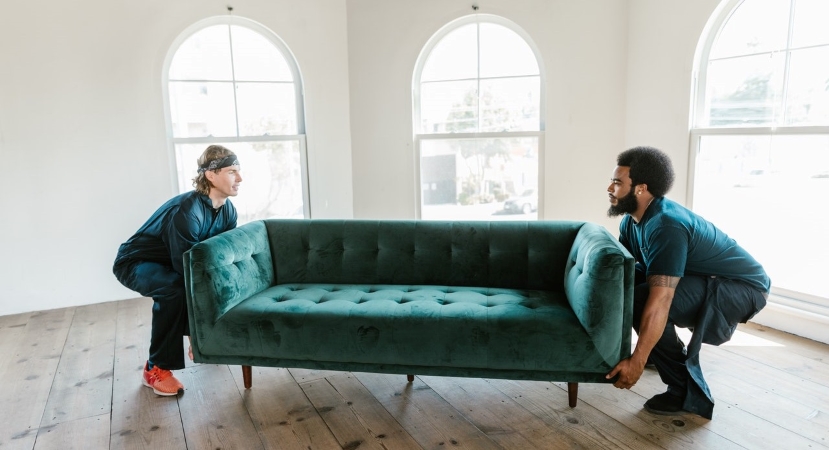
x=797, y=317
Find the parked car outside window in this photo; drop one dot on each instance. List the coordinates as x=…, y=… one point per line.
x=526, y=203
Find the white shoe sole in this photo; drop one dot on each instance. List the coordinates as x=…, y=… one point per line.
x=157, y=392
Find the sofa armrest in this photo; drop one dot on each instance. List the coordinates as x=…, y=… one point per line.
x=598, y=282
x=224, y=270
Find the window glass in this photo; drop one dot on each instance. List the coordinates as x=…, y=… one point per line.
x=202, y=109
x=455, y=57
x=500, y=97
x=504, y=53
x=754, y=27
x=232, y=85
x=744, y=91
x=257, y=59
x=808, y=88
x=485, y=179
x=510, y=104
x=810, y=17
x=266, y=108
x=776, y=183
x=204, y=56
x=449, y=107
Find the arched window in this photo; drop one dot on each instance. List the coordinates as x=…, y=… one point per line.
x=478, y=121
x=760, y=137
x=231, y=81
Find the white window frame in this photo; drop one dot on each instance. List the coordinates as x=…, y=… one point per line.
x=207, y=140
x=796, y=312
x=416, y=119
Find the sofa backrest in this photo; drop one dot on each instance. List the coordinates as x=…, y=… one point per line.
x=521, y=255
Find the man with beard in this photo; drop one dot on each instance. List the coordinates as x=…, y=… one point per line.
x=688, y=274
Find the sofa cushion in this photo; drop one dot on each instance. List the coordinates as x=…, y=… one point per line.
x=461, y=327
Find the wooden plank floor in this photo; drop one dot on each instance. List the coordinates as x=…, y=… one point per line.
x=72, y=380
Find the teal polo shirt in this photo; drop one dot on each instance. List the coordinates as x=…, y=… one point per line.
x=674, y=241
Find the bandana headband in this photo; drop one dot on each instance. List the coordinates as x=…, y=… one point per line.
x=220, y=163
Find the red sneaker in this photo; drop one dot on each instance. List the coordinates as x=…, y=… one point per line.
x=162, y=381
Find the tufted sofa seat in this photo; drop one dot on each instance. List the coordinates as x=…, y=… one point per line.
x=547, y=300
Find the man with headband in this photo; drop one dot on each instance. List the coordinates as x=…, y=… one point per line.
x=150, y=262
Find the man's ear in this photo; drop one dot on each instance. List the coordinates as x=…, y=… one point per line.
x=640, y=188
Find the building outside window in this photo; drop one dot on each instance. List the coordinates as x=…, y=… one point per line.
x=231, y=81
x=478, y=122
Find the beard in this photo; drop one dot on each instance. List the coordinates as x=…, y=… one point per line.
x=624, y=205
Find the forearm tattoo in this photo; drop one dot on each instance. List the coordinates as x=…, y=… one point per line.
x=663, y=281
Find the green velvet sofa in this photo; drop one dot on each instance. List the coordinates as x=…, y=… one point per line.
x=546, y=300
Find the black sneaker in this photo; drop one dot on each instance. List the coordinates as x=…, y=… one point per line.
x=664, y=404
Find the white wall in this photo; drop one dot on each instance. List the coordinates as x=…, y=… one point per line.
x=583, y=47
x=83, y=145
x=663, y=38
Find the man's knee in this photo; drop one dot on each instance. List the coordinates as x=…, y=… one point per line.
x=158, y=281
x=170, y=294
x=738, y=301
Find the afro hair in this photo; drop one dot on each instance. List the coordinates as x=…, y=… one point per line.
x=648, y=166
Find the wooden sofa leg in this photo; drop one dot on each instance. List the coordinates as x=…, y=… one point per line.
x=246, y=376
x=573, y=393
x=410, y=378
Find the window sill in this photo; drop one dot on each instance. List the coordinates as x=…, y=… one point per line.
x=797, y=317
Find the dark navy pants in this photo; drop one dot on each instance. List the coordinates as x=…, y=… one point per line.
x=170, y=322
x=711, y=307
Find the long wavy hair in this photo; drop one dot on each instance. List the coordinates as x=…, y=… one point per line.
x=200, y=182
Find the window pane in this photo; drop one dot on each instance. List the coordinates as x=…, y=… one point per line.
x=808, y=92
x=256, y=58
x=202, y=109
x=510, y=104
x=744, y=91
x=810, y=18
x=483, y=179
x=755, y=26
x=505, y=53
x=455, y=57
x=266, y=108
x=271, y=173
x=449, y=107
x=204, y=56
x=777, y=184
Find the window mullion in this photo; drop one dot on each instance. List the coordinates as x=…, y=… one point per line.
x=233, y=80
x=226, y=139
x=785, y=91
x=478, y=71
